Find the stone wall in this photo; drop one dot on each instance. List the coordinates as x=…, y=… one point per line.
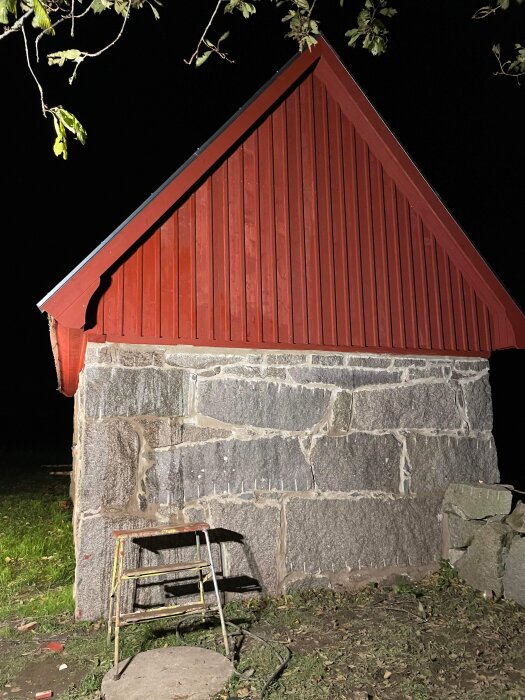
x=318, y=468
x=485, y=540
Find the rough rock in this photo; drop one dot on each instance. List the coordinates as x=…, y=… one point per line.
x=234, y=466
x=200, y=360
x=343, y=377
x=475, y=502
x=111, y=461
x=436, y=461
x=461, y=532
x=119, y=391
x=514, y=577
x=328, y=360
x=359, y=461
x=414, y=406
x=295, y=583
x=342, y=412
x=333, y=534
x=478, y=401
x=482, y=564
x=516, y=519
x=251, y=541
x=262, y=404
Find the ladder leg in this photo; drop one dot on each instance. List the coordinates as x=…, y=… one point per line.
x=120, y=556
x=112, y=592
x=201, y=579
x=219, y=605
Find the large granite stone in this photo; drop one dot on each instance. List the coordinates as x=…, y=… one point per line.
x=437, y=461
x=262, y=404
x=482, y=564
x=382, y=361
x=334, y=534
x=328, y=359
x=342, y=412
x=478, y=403
x=344, y=377
x=138, y=356
x=233, y=466
x=514, y=576
x=159, y=432
x=201, y=360
x=475, y=502
x=359, y=461
x=414, y=406
x=119, y=391
x=252, y=549
x=199, y=433
x=461, y=532
x=108, y=477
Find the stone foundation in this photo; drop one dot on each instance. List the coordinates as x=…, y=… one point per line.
x=484, y=540
x=314, y=468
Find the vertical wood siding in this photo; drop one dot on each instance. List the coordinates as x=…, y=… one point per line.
x=298, y=237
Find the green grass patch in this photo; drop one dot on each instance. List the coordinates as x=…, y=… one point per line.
x=36, y=543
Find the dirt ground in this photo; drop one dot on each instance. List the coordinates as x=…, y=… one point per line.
x=435, y=640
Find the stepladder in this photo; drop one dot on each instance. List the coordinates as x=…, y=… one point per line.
x=201, y=569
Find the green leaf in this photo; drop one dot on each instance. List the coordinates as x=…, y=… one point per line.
x=7, y=7
x=203, y=57
x=60, y=145
x=41, y=18
x=154, y=10
x=67, y=120
x=60, y=57
x=496, y=49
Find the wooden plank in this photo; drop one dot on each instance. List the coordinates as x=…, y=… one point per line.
x=311, y=233
x=407, y=272
x=420, y=281
x=471, y=317
x=187, y=277
x=168, y=297
x=445, y=296
x=203, y=261
x=113, y=303
x=270, y=314
x=353, y=245
x=460, y=325
x=340, y=254
x=296, y=220
x=145, y=571
x=434, y=299
x=151, y=285
x=236, y=247
x=157, y=613
x=252, y=239
x=221, y=255
x=394, y=263
x=324, y=215
x=366, y=243
x=132, y=294
x=282, y=226
x=384, y=312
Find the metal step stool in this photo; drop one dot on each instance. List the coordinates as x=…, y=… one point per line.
x=202, y=566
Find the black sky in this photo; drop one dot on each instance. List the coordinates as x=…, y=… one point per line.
x=146, y=112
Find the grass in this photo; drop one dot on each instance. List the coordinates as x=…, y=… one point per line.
x=430, y=641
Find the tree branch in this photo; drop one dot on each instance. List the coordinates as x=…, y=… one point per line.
x=85, y=54
x=202, y=40
x=28, y=60
x=17, y=26
x=59, y=21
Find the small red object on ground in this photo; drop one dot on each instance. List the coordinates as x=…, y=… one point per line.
x=55, y=646
x=44, y=695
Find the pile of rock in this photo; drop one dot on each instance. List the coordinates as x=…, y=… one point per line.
x=485, y=541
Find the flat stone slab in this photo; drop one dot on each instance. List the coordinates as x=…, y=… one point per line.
x=173, y=673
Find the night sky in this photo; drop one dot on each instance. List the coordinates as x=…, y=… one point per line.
x=145, y=112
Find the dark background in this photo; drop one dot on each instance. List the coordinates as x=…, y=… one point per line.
x=146, y=112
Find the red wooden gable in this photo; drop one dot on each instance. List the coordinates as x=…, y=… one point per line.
x=303, y=224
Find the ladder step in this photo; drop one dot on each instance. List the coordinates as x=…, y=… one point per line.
x=156, y=613
x=165, y=569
